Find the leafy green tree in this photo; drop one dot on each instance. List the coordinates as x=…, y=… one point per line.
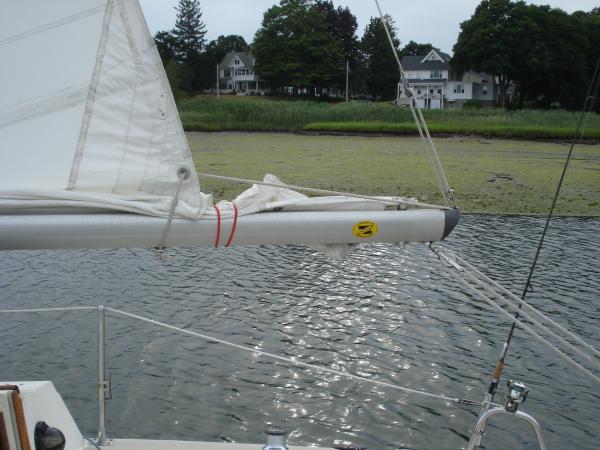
x=342, y=25
x=497, y=39
x=218, y=48
x=381, y=70
x=171, y=68
x=415, y=49
x=294, y=47
x=589, y=26
x=554, y=73
x=554, y=67
x=165, y=44
x=189, y=30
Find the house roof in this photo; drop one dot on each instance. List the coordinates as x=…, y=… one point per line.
x=446, y=56
x=246, y=58
x=414, y=63
x=417, y=63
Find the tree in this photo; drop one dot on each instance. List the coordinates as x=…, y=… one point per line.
x=218, y=48
x=165, y=44
x=171, y=69
x=382, y=74
x=554, y=74
x=415, y=49
x=293, y=47
x=342, y=25
x=497, y=39
x=189, y=30
x=589, y=26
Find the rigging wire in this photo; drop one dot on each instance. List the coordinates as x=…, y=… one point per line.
x=526, y=305
x=387, y=200
x=588, y=106
x=526, y=327
x=291, y=361
x=446, y=191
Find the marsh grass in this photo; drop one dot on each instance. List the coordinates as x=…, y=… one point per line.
x=232, y=113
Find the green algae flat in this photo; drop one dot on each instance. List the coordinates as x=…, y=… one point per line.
x=488, y=175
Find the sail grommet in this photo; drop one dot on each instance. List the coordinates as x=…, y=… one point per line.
x=162, y=106
x=184, y=173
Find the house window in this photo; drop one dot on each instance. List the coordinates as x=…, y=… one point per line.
x=236, y=61
x=418, y=91
x=242, y=72
x=485, y=90
x=435, y=74
x=431, y=91
x=459, y=89
x=439, y=91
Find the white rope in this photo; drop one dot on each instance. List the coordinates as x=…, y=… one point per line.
x=525, y=327
x=389, y=200
x=528, y=306
x=293, y=361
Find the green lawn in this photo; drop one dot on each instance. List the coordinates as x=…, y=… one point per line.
x=489, y=176
x=233, y=113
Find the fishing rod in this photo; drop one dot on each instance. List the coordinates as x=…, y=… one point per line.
x=588, y=106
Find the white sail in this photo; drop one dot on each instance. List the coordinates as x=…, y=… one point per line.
x=88, y=121
x=87, y=117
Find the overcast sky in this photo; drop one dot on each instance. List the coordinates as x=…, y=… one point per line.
x=434, y=21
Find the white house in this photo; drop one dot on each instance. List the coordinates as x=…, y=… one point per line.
x=436, y=86
x=236, y=73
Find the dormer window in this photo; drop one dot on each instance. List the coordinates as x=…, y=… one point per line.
x=236, y=62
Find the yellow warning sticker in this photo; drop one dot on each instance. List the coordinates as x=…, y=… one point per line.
x=365, y=229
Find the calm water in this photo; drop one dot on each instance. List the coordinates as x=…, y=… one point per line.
x=386, y=312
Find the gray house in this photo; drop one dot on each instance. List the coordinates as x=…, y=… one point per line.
x=236, y=74
x=436, y=86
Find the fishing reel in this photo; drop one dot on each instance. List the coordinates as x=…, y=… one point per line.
x=517, y=394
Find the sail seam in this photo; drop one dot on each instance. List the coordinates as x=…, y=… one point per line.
x=136, y=59
x=51, y=25
x=87, y=116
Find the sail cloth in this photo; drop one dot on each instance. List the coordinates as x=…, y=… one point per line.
x=87, y=118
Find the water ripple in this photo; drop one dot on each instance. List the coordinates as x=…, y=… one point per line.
x=386, y=312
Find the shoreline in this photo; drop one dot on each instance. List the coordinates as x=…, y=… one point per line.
x=438, y=135
x=366, y=134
